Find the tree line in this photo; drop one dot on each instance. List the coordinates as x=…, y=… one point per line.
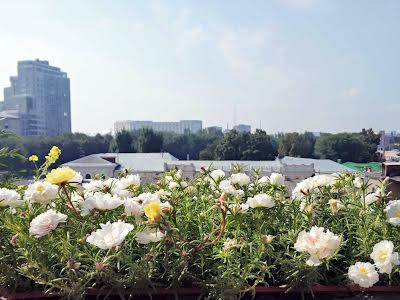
x=208, y=144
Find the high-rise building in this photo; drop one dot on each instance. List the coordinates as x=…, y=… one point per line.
x=177, y=127
x=40, y=93
x=242, y=128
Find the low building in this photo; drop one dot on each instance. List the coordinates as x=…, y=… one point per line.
x=151, y=166
x=11, y=120
x=391, y=170
x=179, y=127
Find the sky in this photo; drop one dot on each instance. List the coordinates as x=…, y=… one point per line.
x=279, y=65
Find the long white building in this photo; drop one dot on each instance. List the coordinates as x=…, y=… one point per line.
x=176, y=127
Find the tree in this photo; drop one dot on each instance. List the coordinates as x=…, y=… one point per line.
x=150, y=141
x=260, y=147
x=296, y=144
x=341, y=146
x=124, y=142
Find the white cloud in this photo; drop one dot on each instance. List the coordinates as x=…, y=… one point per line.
x=352, y=92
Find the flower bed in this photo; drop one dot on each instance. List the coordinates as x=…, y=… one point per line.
x=225, y=236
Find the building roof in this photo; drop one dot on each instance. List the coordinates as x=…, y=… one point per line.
x=156, y=162
x=320, y=165
x=9, y=114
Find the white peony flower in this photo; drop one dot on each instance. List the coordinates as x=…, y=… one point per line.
x=308, y=185
x=227, y=187
x=122, y=185
x=371, y=198
x=261, y=200
x=217, y=175
x=110, y=235
x=318, y=243
x=46, y=222
x=94, y=186
x=100, y=201
x=384, y=257
x=10, y=198
x=133, y=208
x=41, y=192
x=277, y=179
x=184, y=184
x=149, y=236
x=240, y=178
x=358, y=182
x=173, y=185
x=263, y=180
x=363, y=274
x=393, y=212
x=146, y=198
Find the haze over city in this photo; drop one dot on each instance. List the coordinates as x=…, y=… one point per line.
x=293, y=64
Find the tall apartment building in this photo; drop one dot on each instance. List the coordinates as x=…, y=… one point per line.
x=39, y=96
x=176, y=127
x=242, y=128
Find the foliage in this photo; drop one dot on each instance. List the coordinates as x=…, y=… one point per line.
x=207, y=235
x=246, y=146
x=149, y=141
x=296, y=144
x=354, y=147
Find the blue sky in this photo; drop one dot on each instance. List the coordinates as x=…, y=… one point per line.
x=294, y=65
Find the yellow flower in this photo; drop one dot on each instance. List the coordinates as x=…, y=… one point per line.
x=60, y=175
x=153, y=211
x=33, y=158
x=53, y=155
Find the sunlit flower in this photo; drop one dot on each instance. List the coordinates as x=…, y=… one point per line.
x=133, y=208
x=263, y=180
x=240, y=178
x=145, y=198
x=46, y=222
x=318, y=243
x=261, y=200
x=53, y=155
x=384, y=257
x=94, y=186
x=363, y=274
x=152, y=211
x=63, y=175
x=41, y=192
x=110, y=235
x=10, y=198
x=122, y=185
x=393, y=212
x=173, y=185
x=149, y=236
x=101, y=202
x=227, y=187
x=217, y=175
x=277, y=179
x=33, y=158
x=308, y=185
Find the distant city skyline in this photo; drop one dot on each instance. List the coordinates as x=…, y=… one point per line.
x=294, y=65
